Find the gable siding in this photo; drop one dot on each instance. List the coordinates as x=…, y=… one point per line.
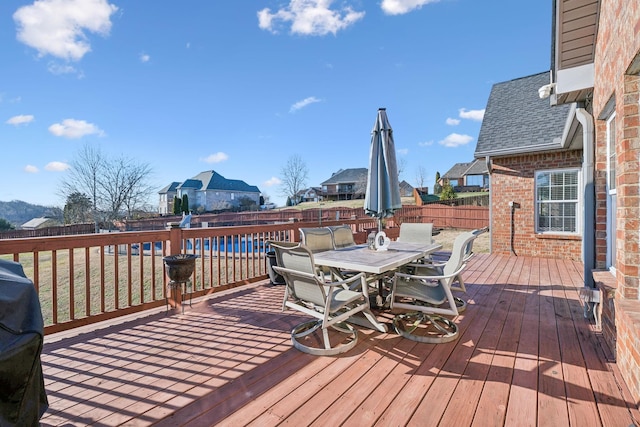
x=576, y=39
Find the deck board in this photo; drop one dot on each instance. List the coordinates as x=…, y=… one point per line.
x=525, y=356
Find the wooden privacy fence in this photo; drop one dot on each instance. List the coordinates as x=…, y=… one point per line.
x=443, y=216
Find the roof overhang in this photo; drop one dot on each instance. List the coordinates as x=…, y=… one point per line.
x=571, y=139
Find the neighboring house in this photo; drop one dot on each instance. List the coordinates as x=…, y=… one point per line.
x=346, y=184
x=311, y=194
x=406, y=189
x=167, y=194
x=535, y=154
x=37, y=223
x=471, y=176
x=210, y=191
x=571, y=165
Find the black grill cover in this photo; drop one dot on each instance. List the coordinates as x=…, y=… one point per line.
x=22, y=395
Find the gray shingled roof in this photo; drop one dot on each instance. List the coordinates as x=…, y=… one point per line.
x=457, y=171
x=478, y=167
x=516, y=120
x=169, y=188
x=346, y=176
x=211, y=180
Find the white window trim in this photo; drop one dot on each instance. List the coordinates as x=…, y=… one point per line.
x=579, y=202
x=611, y=196
x=609, y=120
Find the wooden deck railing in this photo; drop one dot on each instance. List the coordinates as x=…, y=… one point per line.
x=84, y=279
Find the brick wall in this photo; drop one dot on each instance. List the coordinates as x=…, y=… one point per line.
x=617, y=45
x=512, y=179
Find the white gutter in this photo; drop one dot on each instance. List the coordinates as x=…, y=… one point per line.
x=555, y=145
x=588, y=226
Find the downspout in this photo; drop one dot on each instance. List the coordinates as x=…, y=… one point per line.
x=588, y=226
x=489, y=165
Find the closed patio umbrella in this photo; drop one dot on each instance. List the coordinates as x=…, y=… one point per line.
x=383, y=190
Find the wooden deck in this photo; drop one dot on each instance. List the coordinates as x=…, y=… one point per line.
x=525, y=356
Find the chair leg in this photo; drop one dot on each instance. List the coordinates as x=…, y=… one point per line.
x=461, y=304
x=368, y=321
x=437, y=329
x=307, y=328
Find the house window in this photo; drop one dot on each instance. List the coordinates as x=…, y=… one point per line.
x=557, y=201
x=475, y=180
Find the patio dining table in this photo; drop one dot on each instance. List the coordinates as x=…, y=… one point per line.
x=375, y=264
x=361, y=258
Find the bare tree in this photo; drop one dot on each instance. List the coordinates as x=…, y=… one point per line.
x=421, y=176
x=114, y=185
x=125, y=186
x=84, y=177
x=294, y=177
x=401, y=164
x=360, y=186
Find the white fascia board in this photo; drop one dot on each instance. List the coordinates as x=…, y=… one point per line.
x=575, y=79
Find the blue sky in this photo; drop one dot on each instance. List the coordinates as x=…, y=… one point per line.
x=241, y=86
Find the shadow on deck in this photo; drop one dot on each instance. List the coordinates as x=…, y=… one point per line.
x=526, y=356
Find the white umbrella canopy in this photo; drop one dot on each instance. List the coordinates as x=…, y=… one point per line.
x=383, y=189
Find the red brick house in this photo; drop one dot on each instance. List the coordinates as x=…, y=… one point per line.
x=533, y=152
x=595, y=74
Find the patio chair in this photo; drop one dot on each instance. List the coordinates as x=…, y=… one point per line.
x=331, y=304
x=342, y=236
x=318, y=239
x=439, y=260
x=416, y=232
x=427, y=295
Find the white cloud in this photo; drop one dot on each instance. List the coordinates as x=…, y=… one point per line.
x=475, y=115
x=301, y=104
x=218, y=157
x=425, y=143
x=403, y=151
x=456, y=140
x=55, y=68
x=144, y=57
x=400, y=7
x=57, y=167
x=59, y=27
x=30, y=169
x=309, y=17
x=71, y=128
x=272, y=181
x=453, y=122
x=20, y=120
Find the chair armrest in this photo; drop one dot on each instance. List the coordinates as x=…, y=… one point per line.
x=427, y=263
x=352, y=283
x=430, y=277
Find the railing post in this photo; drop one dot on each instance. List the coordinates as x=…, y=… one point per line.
x=174, y=291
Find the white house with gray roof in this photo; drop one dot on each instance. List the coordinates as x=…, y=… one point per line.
x=209, y=191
